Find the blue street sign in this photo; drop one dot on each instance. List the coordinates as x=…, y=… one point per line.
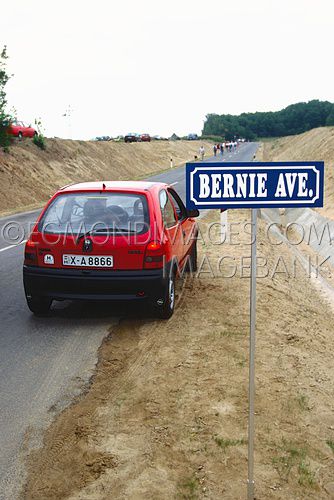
x=255, y=184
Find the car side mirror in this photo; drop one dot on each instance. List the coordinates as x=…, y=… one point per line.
x=193, y=213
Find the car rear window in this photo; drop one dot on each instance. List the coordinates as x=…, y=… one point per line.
x=111, y=213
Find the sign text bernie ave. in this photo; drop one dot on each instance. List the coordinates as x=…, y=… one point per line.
x=254, y=184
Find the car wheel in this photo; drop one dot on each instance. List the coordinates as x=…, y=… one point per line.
x=39, y=305
x=19, y=135
x=166, y=310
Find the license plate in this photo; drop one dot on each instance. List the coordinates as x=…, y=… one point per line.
x=88, y=261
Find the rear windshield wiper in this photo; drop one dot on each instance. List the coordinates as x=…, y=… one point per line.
x=114, y=230
x=108, y=230
x=83, y=235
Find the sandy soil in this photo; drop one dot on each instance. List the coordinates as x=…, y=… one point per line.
x=166, y=414
x=317, y=144
x=29, y=176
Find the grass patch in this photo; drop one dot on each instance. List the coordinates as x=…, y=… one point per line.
x=225, y=333
x=330, y=443
x=226, y=443
x=240, y=360
x=306, y=476
x=39, y=141
x=241, y=363
x=292, y=457
x=302, y=402
x=189, y=488
x=299, y=402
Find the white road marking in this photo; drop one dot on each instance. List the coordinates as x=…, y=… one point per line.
x=12, y=246
x=174, y=183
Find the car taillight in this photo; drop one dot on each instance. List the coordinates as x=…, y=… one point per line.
x=154, y=255
x=30, y=254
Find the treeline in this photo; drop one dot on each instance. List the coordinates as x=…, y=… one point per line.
x=294, y=119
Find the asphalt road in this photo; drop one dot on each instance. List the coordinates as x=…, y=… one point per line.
x=45, y=362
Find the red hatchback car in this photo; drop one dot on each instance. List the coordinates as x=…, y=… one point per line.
x=110, y=241
x=19, y=129
x=145, y=138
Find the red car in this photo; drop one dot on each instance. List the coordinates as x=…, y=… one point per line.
x=110, y=241
x=145, y=138
x=19, y=129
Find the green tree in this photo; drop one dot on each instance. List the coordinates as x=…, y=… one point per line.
x=330, y=117
x=294, y=119
x=4, y=116
x=39, y=139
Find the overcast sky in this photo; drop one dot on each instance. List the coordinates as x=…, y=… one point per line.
x=160, y=66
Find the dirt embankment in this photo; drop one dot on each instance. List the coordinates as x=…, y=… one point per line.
x=29, y=176
x=317, y=144
x=166, y=415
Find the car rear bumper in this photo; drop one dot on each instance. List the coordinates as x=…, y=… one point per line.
x=77, y=284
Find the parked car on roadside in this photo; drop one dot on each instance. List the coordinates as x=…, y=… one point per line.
x=110, y=241
x=103, y=138
x=131, y=137
x=159, y=138
x=19, y=129
x=192, y=137
x=145, y=137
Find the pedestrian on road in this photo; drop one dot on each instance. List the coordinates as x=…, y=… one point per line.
x=201, y=152
x=215, y=150
x=222, y=149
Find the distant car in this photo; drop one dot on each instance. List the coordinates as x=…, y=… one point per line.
x=103, y=138
x=119, y=138
x=145, y=137
x=192, y=137
x=127, y=241
x=131, y=137
x=19, y=129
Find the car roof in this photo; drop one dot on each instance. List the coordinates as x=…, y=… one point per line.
x=106, y=186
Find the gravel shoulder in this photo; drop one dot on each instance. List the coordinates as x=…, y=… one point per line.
x=165, y=415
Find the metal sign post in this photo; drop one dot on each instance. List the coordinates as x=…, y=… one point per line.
x=251, y=390
x=253, y=185
x=224, y=229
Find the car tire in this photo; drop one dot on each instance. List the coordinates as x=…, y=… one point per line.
x=20, y=136
x=166, y=310
x=40, y=306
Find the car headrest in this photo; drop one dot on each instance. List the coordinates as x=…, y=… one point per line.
x=93, y=208
x=138, y=208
